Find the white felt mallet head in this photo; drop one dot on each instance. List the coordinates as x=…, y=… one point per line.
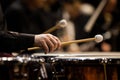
x=98, y=38
x=63, y=23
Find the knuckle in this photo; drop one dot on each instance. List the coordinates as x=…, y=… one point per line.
x=45, y=39
x=42, y=41
x=55, y=42
x=51, y=45
x=48, y=35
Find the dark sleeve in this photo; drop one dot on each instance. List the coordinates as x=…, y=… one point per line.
x=10, y=41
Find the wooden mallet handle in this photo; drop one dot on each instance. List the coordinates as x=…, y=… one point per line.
x=62, y=23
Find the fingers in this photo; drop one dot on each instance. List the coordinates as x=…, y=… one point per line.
x=44, y=46
x=48, y=42
x=58, y=42
x=55, y=41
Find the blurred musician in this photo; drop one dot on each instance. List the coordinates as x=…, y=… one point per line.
x=30, y=16
x=22, y=13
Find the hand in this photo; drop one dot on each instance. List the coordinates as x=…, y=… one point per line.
x=48, y=42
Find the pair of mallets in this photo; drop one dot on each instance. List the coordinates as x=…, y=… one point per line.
x=63, y=23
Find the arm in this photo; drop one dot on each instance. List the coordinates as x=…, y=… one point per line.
x=10, y=41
